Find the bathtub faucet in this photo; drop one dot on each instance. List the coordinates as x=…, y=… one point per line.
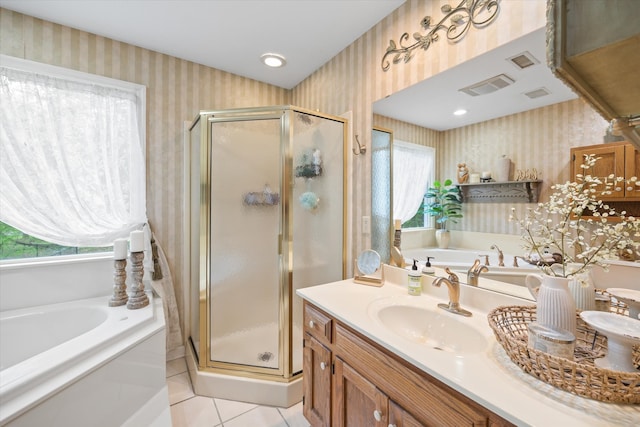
x=474, y=272
x=500, y=255
x=515, y=260
x=453, y=285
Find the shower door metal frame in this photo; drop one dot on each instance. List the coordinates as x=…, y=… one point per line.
x=285, y=245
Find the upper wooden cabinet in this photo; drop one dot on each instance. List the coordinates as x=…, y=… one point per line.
x=618, y=158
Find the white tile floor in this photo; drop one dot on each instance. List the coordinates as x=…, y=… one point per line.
x=189, y=410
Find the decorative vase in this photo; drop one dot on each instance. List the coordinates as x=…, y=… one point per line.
x=443, y=237
x=555, y=306
x=583, y=291
x=503, y=168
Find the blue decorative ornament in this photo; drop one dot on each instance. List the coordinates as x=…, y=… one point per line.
x=309, y=200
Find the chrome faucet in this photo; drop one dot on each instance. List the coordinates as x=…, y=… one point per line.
x=474, y=272
x=453, y=285
x=500, y=255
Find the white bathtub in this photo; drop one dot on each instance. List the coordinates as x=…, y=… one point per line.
x=83, y=363
x=460, y=260
x=620, y=274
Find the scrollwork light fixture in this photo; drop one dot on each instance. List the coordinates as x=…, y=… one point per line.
x=480, y=13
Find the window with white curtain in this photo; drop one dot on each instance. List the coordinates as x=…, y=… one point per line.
x=72, y=155
x=413, y=171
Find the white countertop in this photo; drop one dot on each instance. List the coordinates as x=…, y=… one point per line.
x=488, y=377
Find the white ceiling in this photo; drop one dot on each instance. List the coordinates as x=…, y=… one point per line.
x=231, y=35
x=432, y=102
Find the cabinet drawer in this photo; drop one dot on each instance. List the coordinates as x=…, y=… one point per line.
x=317, y=324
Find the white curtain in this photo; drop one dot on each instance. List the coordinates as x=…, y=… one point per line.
x=72, y=165
x=413, y=169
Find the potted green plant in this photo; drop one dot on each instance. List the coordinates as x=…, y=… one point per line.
x=444, y=204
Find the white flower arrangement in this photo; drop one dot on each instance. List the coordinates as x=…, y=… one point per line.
x=577, y=225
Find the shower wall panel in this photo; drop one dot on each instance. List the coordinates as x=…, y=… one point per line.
x=245, y=229
x=317, y=210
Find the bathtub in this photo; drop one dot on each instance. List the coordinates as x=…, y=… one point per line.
x=619, y=274
x=460, y=260
x=83, y=363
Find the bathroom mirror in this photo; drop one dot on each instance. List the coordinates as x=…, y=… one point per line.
x=410, y=106
x=368, y=269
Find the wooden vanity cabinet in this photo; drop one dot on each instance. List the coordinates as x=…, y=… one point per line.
x=369, y=386
x=618, y=158
x=398, y=417
x=317, y=366
x=356, y=400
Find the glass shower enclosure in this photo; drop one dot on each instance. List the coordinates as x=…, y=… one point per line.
x=267, y=195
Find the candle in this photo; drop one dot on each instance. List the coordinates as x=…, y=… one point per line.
x=474, y=178
x=120, y=249
x=137, y=241
x=397, y=224
x=486, y=175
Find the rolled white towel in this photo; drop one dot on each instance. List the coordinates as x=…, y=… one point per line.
x=534, y=257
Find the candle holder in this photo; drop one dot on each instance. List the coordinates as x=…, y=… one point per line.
x=137, y=298
x=119, y=296
x=397, y=238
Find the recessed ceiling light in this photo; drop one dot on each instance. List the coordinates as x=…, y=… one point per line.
x=460, y=112
x=273, y=60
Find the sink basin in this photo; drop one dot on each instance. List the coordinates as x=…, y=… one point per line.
x=431, y=327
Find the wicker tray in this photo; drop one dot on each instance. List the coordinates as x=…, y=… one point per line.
x=579, y=376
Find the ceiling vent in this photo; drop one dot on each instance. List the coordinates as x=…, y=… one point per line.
x=523, y=60
x=488, y=86
x=537, y=93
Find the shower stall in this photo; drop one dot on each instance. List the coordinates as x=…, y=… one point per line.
x=267, y=196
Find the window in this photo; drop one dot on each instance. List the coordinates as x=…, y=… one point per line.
x=15, y=244
x=72, y=164
x=420, y=219
x=413, y=171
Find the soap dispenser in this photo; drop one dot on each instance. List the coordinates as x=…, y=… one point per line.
x=428, y=269
x=415, y=285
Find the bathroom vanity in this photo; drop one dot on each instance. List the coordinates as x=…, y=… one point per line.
x=377, y=356
x=350, y=380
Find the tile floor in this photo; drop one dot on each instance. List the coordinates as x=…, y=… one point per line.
x=189, y=410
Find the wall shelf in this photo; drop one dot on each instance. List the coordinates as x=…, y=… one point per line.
x=501, y=192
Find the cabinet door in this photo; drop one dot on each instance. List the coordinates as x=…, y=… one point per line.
x=316, y=382
x=611, y=161
x=357, y=402
x=398, y=417
x=632, y=168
